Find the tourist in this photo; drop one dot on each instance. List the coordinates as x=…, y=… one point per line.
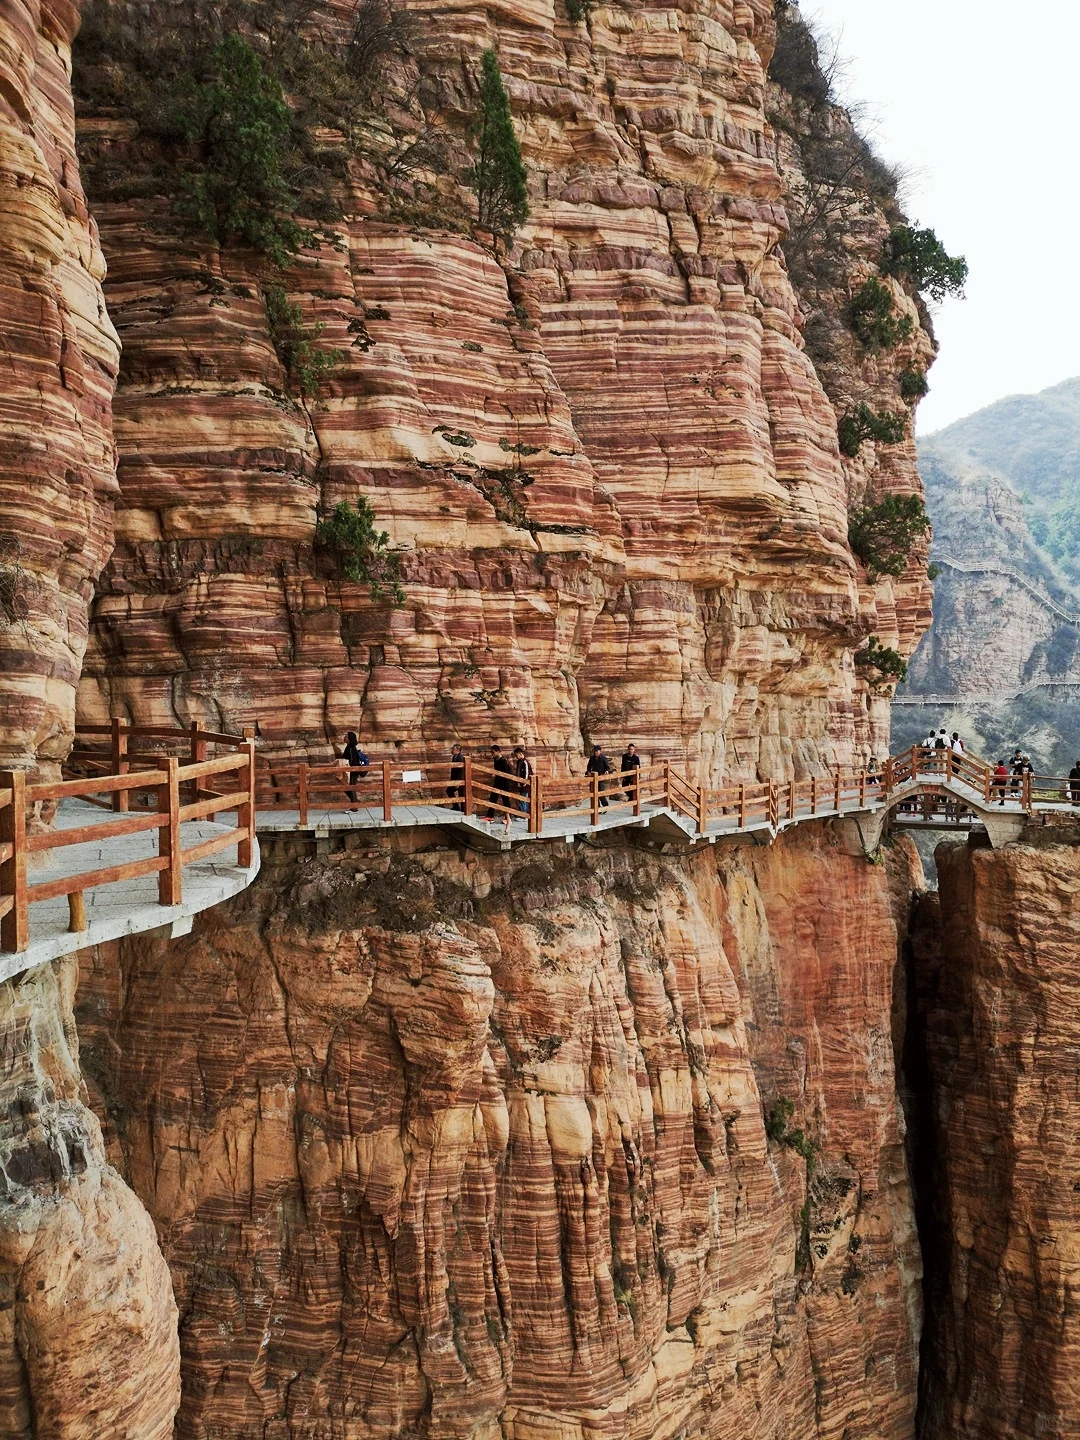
x=523, y=771
x=630, y=765
x=502, y=792
x=357, y=761
x=873, y=774
x=1074, y=783
x=1001, y=775
x=599, y=764
x=456, y=788
x=1016, y=765
x=957, y=745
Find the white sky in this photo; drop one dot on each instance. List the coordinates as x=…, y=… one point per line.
x=978, y=101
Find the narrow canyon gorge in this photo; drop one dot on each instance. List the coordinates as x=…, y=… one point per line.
x=603, y=1138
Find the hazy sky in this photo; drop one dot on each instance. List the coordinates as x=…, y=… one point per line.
x=978, y=101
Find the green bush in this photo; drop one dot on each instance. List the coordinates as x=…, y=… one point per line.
x=874, y=318
x=578, y=10
x=862, y=423
x=362, y=552
x=882, y=535
x=919, y=256
x=499, y=174
x=888, y=663
x=933, y=570
x=776, y=1128
x=309, y=366
x=913, y=384
x=240, y=127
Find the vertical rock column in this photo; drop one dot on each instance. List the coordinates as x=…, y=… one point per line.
x=88, y=1334
x=1000, y=1003
x=59, y=354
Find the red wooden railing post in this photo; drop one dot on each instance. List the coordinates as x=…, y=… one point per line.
x=302, y=791
x=813, y=794
x=637, y=791
x=887, y=780
x=468, y=785
x=387, y=807
x=702, y=809
x=595, y=799
x=1026, y=793
x=792, y=806
x=120, y=761
x=914, y=762
x=246, y=815
x=536, y=806
x=667, y=784
x=772, y=804
x=742, y=806
x=836, y=806
x=862, y=789
x=986, y=784
x=15, y=925
x=170, y=882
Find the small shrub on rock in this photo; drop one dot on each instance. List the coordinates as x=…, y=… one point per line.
x=886, y=663
x=362, y=552
x=874, y=318
x=499, y=173
x=308, y=365
x=913, y=384
x=862, y=423
x=882, y=535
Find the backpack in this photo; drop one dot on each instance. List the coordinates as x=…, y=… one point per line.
x=939, y=743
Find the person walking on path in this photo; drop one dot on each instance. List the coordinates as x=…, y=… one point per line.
x=1001, y=776
x=502, y=793
x=1074, y=783
x=630, y=765
x=599, y=764
x=356, y=760
x=456, y=788
x=523, y=771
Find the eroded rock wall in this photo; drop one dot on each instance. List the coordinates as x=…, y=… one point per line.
x=997, y=987
x=57, y=463
x=609, y=463
x=88, y=1345
x=448, y=1145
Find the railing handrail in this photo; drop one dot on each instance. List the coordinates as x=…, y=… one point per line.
x=167, y=780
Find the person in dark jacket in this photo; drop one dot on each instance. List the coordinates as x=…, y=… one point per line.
x=631, y=764
x=356, y=760
x=599, y=764
x=523, y=772
x=502, y=792
x=456, y=788
x=1016, y=765
x=1074, y=783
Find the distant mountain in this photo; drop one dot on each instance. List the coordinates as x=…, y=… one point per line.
x=1003, y=491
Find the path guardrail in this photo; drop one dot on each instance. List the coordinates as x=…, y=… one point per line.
x=148, y=790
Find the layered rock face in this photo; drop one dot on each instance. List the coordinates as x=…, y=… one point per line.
x=57, y=465
x=608, y=461
x=997, y=996
x=88, y=1344
x=448, y=1145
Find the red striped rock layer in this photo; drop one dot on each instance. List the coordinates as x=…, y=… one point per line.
x=88, y=1344
x=57, y=466
x=445, y=1145
x=614, y=477
x=999, y=1000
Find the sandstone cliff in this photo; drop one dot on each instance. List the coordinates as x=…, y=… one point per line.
x=57, y=464
x=608, y=461
x=447, y=1145
x=997, y=981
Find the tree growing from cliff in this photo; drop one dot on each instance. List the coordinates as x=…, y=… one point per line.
x=362, y=552
x=499, y=173
x=883, y=535
x=862, y=423
x=238, y=123
x=919, y=256
x=886, y=663
x=874, y=318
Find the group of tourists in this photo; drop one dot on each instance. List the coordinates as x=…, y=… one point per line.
x=511, y=776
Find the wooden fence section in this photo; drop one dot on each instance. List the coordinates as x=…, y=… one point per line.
x=147, y=791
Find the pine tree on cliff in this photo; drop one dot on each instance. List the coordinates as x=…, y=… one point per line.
x=499, y=174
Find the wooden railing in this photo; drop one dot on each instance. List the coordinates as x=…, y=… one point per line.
x=148, y=790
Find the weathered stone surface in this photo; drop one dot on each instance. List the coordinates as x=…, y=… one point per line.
x=473, y=1146
x=998, y=997
x=57, y=465
x=88, y=1344
x=610, y=465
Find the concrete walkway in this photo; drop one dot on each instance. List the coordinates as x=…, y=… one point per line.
x=128, y=907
